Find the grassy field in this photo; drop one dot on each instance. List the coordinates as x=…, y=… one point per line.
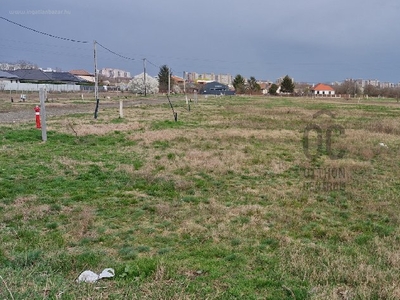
x=233, y=201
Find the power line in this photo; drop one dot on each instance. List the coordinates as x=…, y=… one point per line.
x=115, y=53
x=43, y=33
x=63, y=38
x=159, y=67
x=44, y=51
x=153, y=64
x=46, y=45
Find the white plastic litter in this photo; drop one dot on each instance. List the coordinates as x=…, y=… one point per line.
x=107, y=273
x=383, y=145
x=90, y=276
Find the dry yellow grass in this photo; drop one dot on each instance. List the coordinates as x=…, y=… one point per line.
x=237, y=173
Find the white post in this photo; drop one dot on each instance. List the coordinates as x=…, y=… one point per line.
x=184, y=82
x=121, y=109
x=42, y=96
x=144, y=77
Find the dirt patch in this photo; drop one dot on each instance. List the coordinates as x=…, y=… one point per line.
x=18, y=113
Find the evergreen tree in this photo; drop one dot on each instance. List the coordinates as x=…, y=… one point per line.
x=239, y=84
x=287, y=85
x=272, y=89
x=163, y=78
x=253, y=85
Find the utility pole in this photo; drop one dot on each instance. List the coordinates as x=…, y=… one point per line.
x=96, y=82
x=144, y=76
x=184, y=89
x=184, y=82
x=169, y=81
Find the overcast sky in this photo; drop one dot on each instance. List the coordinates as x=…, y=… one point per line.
x=310, y=40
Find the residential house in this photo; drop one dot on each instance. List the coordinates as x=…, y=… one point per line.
x=177, y=79
x=323, y=90
x=83, y=74
x=38, y=76
x=264, y=87
x=215, y=88
x=31, y=76
x=7, y=78
x=64, y=77
x=35, y=79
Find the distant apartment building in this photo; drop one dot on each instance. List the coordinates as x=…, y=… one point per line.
x=387, y=85
x=190, y=76
x=114, y=73
x=363, y=83
x=224, y=78
x=208, y=77
x=374, y=82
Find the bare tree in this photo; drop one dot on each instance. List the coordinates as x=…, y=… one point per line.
x=348, y=87
x=371, y=91
x=24, y=64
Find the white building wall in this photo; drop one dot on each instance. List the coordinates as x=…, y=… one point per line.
x=33, y=87
x=324, y=93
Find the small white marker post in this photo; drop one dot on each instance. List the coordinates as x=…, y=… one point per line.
x=121, y=109
x=42, y=96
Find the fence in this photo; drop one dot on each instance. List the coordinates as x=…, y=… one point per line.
x=33, y=87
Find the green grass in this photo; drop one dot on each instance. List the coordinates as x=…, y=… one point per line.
x=212, y=206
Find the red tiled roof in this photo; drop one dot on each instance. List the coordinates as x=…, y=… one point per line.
x=177, y=79
x=322, y=87
x=80, y=73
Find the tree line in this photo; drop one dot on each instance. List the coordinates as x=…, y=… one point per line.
x=252, y=86
x=352, y=88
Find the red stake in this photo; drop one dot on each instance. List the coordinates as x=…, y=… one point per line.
x=37, y=112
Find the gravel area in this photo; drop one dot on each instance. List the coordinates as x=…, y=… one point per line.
x=27, y=114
